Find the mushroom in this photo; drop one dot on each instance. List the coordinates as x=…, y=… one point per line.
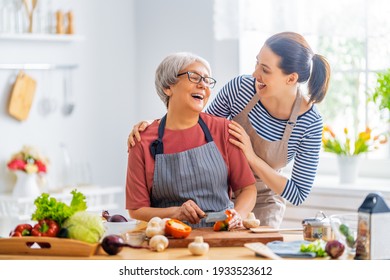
x=198, y=247
x=154, y=228
x=250, y=221
x=158, y=243
x=154, y=219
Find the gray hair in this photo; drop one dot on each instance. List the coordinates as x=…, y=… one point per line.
x=166, y=73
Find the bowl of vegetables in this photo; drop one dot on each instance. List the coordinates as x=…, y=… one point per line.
x=344, y=227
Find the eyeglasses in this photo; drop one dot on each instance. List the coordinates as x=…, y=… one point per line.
x=196, y=79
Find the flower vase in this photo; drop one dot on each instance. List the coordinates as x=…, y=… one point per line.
x=348, y=169
x=26, y=185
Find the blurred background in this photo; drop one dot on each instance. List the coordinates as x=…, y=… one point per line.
x=104, y=69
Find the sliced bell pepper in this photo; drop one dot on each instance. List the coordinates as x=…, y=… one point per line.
x=177, y=229
x=48, y=228
x=21, y=230
x=223, y=225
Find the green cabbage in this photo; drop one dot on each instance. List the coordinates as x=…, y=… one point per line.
x=85, y=226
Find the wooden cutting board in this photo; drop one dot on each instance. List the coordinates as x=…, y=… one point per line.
x=50, y=246
x=22, y=96
x=225, y=238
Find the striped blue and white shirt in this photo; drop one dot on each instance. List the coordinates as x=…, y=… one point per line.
x=303, y=146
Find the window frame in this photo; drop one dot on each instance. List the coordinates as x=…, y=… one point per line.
x=370, y=165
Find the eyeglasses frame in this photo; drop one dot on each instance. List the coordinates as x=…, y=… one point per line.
x=201, y=79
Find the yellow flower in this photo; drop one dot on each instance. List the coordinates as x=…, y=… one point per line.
x=364, y=142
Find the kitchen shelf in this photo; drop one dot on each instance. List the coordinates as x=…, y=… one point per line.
x=36, y=66
x=61, y=38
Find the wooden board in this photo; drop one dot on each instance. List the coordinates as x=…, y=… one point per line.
x=22, y=96
x=264, y=229
x=225, y=238
x=50, y=246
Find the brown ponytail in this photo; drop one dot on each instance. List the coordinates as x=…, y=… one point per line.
x=319, y=79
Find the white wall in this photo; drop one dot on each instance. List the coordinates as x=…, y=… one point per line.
x=164, y=27
x=114, y=84
x=104, y=87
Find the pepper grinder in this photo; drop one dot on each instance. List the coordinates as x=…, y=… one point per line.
x=70, y=27
x=60, y=22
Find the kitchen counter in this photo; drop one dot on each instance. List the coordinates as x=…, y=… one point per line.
x=215, y=253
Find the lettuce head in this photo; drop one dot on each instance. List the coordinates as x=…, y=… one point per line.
x=85, y=226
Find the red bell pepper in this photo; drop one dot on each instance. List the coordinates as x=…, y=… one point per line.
x=48, y=228
x=21, y=230
x=223, y=225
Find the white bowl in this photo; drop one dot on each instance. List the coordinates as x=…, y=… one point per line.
x=119, y=228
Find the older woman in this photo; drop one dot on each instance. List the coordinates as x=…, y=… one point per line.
x=177, y=173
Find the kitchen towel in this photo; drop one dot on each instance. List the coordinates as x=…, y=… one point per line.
x=290, y=249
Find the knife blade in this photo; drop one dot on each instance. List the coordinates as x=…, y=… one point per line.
x=215, y=216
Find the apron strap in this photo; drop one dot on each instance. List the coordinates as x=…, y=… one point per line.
x=206, y=130
x=253, y=101
x=293, y=117
x=157, y=146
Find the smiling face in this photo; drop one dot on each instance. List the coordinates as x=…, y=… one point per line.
x=188, y=97
x=269, y=77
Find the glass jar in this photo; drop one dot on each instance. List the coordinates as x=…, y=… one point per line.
x=317, y=228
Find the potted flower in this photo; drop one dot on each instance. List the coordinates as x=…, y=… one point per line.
x=26, y=164
x=348, y=149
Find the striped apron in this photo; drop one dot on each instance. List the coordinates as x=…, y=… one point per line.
x=270, y=207
x=199, y=174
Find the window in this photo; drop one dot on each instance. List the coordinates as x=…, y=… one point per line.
x=352, y=34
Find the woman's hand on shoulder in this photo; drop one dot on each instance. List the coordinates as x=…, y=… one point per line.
x=241, y=140
x=135, y=133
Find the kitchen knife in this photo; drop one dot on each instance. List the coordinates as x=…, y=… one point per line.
x=215, y=216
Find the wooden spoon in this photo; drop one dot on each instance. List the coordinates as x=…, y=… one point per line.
x=30, y=13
